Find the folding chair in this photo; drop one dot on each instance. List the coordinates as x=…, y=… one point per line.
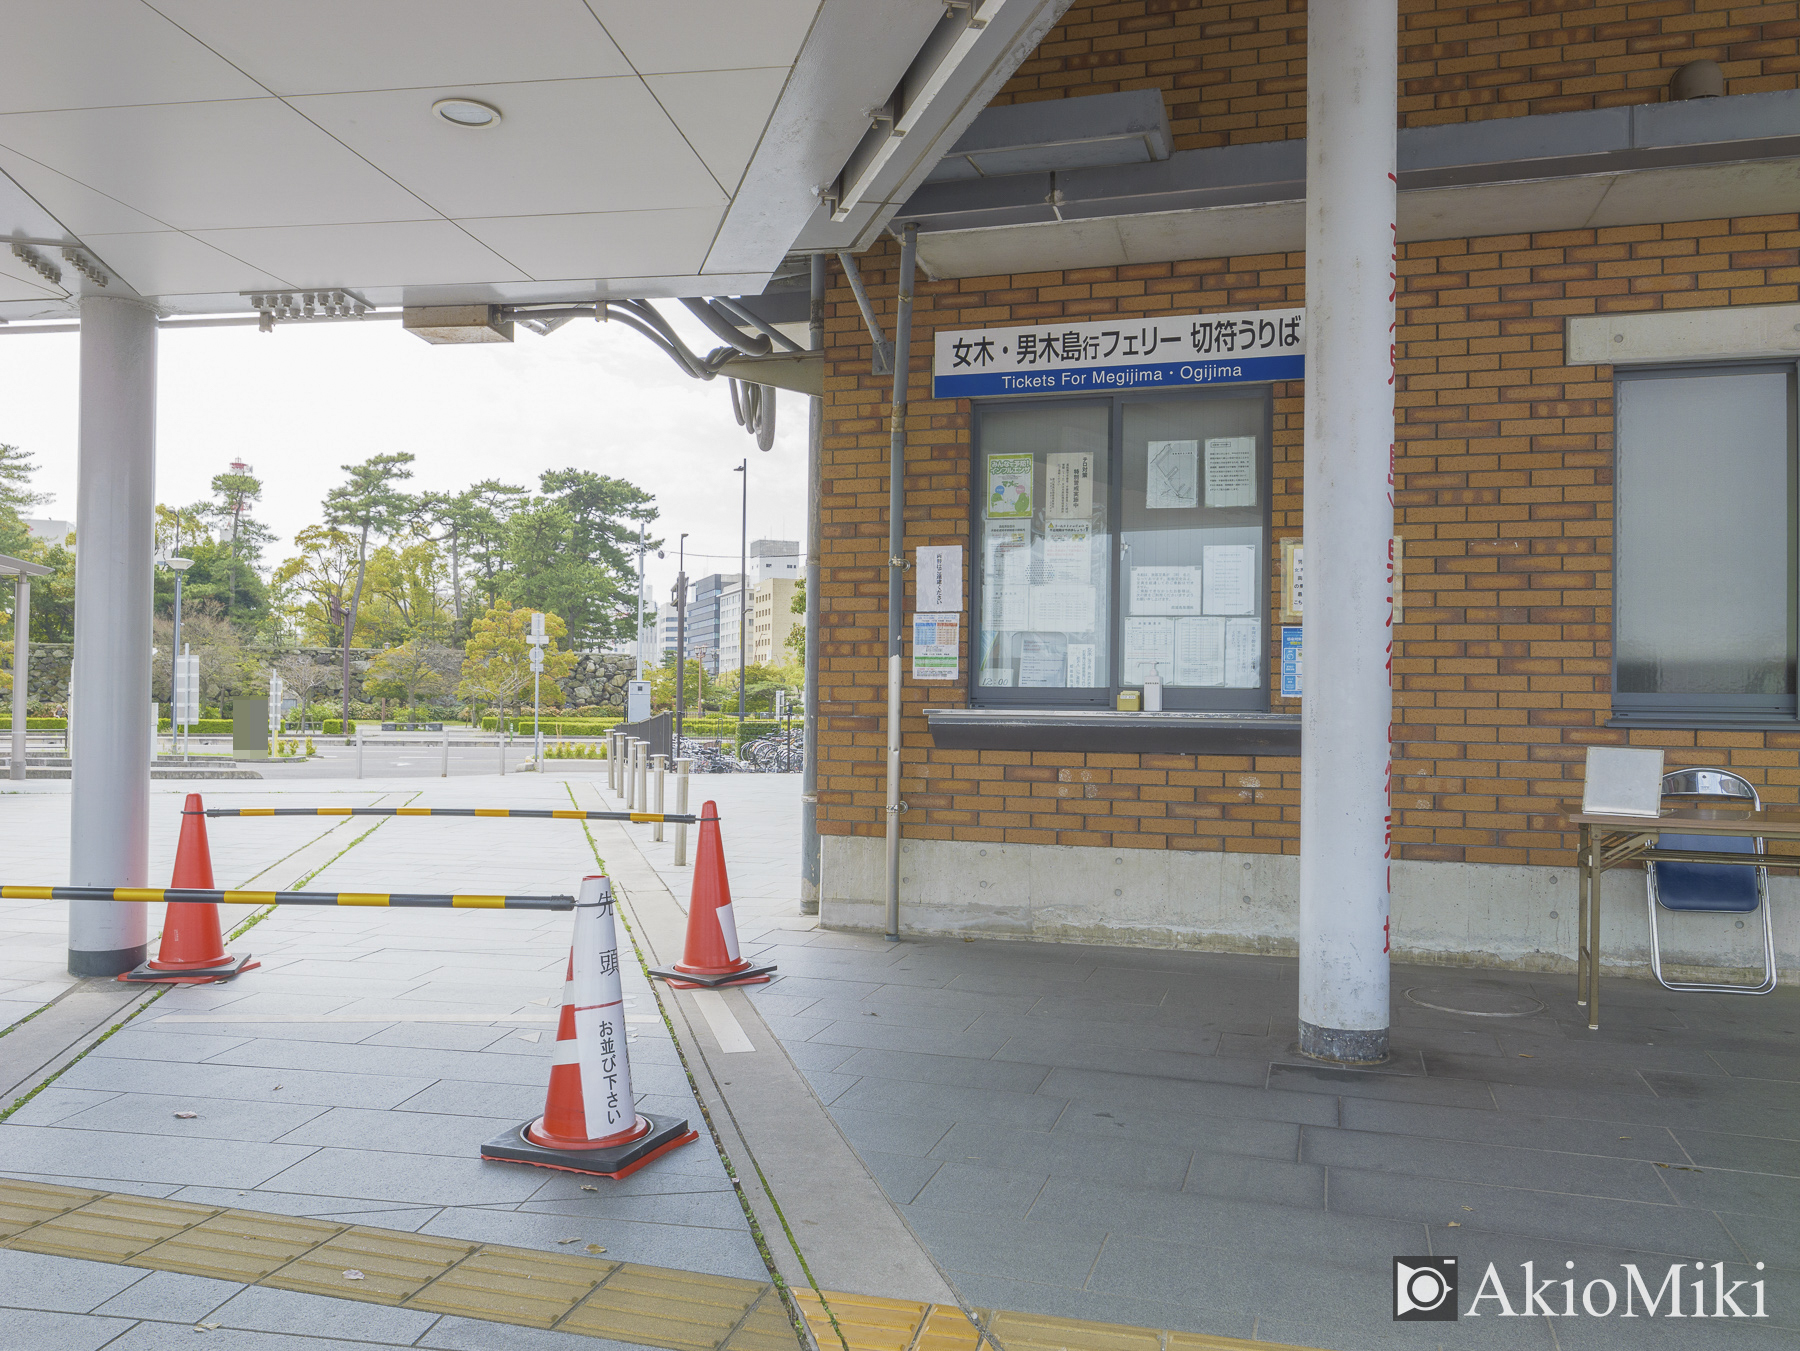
x=1724, y=889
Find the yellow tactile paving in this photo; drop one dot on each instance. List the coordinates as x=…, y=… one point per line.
x=864, y=1322
x=23, y=1204
x=679, y=1310
x=535, y=1289
x=665, y=1308
x=112, y=1228
x=237, y=1245
x=393, y=1266
x=1029, y=1332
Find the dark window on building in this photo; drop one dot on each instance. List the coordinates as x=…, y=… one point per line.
x=1121, y=536
x=1704, y=553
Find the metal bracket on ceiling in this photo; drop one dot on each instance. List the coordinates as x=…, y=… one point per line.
x=85, y=265
x=36, y=261
x=288, y=307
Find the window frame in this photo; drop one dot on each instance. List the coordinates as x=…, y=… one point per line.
x=1743, y=710
x=1176, y=698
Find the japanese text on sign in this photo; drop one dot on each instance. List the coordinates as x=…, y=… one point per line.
x=1167, y=350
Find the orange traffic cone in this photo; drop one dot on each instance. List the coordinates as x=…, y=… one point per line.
x=192, y=950
x=710, y=958
x=591, y=1123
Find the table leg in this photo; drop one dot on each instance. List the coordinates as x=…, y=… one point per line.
x=1593, y=935
x=1581, y=908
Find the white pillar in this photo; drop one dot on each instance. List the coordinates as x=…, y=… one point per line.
x=109, y=804
x=21, y=669
x=1350, y=246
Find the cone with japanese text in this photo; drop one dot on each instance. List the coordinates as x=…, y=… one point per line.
x=591, y=1123
x=710, y=957
x=192, y=951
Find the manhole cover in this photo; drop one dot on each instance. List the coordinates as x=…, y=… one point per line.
x=1476, y=999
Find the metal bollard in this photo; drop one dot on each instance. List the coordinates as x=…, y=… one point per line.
x=682, y=766
x=359, y=751
x=500, y=740
x=661, y=765
x=613, y=739
x=628, y=768
x=642, y=795
x=446, y=772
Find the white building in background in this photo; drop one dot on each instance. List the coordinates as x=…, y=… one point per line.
x=731, y=626
x=774, y=558
x=49, y=530
x=668, y=632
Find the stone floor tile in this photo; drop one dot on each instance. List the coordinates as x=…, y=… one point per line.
x=468, y=1334
x=153, y=1158
x=715, y=1252
x=414, y=1178
x=34, y=1330
x=30, y=1280
x=261, y=1309
x=170, y=1296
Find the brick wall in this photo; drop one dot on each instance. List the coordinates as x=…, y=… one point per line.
x=1504, y=483
x=1236, y=72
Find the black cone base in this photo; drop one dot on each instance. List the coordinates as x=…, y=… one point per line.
x=694, y=980
x=666, y=1133
x=145, y=974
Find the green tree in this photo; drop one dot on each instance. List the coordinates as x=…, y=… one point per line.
x=547, y=571
x=497, y=661
x=405, y=593
x=473, y=530
x=370, y=503
x=16, y=498
x=233, y=493
x=52, y=597
x=214, y=579
x=795, y=642
x=417, y=666
x=312, y=585
x=760, y=683
x=604, y=514
x=662, y=683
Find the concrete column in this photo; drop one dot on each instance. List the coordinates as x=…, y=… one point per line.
x=109, y=803
x=21, y=669
x=1351, y=54
x=815, y=602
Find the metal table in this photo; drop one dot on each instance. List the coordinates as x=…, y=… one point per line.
x=1608, y=841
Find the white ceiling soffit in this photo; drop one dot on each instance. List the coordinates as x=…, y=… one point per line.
x=1588, y=201
x=202, y=147
x=855, y=57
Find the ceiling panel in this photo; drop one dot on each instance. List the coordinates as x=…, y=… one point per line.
x=722, y=113
x=18, y=282
x=389, y=253
x=169, y=261
x=332, y=46
x=206, y=166
x=78, y=207
x=603, y=244
x=102, y=54
x=562, y=146
x=676, y=35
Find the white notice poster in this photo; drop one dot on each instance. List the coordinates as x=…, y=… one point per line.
x=1009, y=486
x=1009, y=606
x=1172, y=477
x=1230, y=578
x=934, y=648
x=1149, y=645
x=1069, y=483
x=1063, y=609
x=1068, y=556
x=1199, y=651
x=1165, y=591
x=1081, y=665
x=1243, y=653
x=940, y=578
x=1008, y=554
x=1231, y=471
x=1040, y=661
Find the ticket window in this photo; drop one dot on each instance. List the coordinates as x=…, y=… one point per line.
x=1120, y=537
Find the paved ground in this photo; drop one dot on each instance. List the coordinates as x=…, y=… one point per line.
x=1097, y=1133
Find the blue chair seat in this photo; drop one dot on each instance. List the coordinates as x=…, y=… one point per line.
x=1715, y=887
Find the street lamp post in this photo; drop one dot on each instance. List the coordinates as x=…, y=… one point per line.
x=743, y=590
x=680, y=637
x=178, y=566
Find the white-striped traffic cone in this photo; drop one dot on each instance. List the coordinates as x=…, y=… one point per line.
x=591, y=1123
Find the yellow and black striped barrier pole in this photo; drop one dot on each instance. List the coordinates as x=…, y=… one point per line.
x=393, y=899
x=528, y=813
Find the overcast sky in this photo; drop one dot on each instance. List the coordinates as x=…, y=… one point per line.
x=298, y=403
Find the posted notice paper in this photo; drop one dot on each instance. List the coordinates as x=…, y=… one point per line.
x=1165, y=591
x=1231, y=471
x=1009, y=487
x=1008, y=606
x=1068, y=556
x=1149, y=645
x=1008, y=555
x=1081, y=665
x=1172, y=475
x=1230, y=578
x=1200, y=651
x=940, y=578
x=1041, y=661
x=1069, y=483
x=1243, y=653
x=934, y=655
x=1063, y=609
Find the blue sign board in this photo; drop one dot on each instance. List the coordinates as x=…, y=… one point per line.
x=1120, y=352
x=1290, y=661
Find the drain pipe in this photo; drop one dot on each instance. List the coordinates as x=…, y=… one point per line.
x=815, y=600
x=902, y=362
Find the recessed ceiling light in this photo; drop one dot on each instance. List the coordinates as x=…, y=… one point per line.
x=467, y=112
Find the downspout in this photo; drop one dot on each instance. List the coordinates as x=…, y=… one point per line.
x=897, y=567
x=815, y=600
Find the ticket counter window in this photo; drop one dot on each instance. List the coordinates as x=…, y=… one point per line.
x=1121, y=539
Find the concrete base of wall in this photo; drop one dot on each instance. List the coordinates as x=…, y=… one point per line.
x=1448, y=914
